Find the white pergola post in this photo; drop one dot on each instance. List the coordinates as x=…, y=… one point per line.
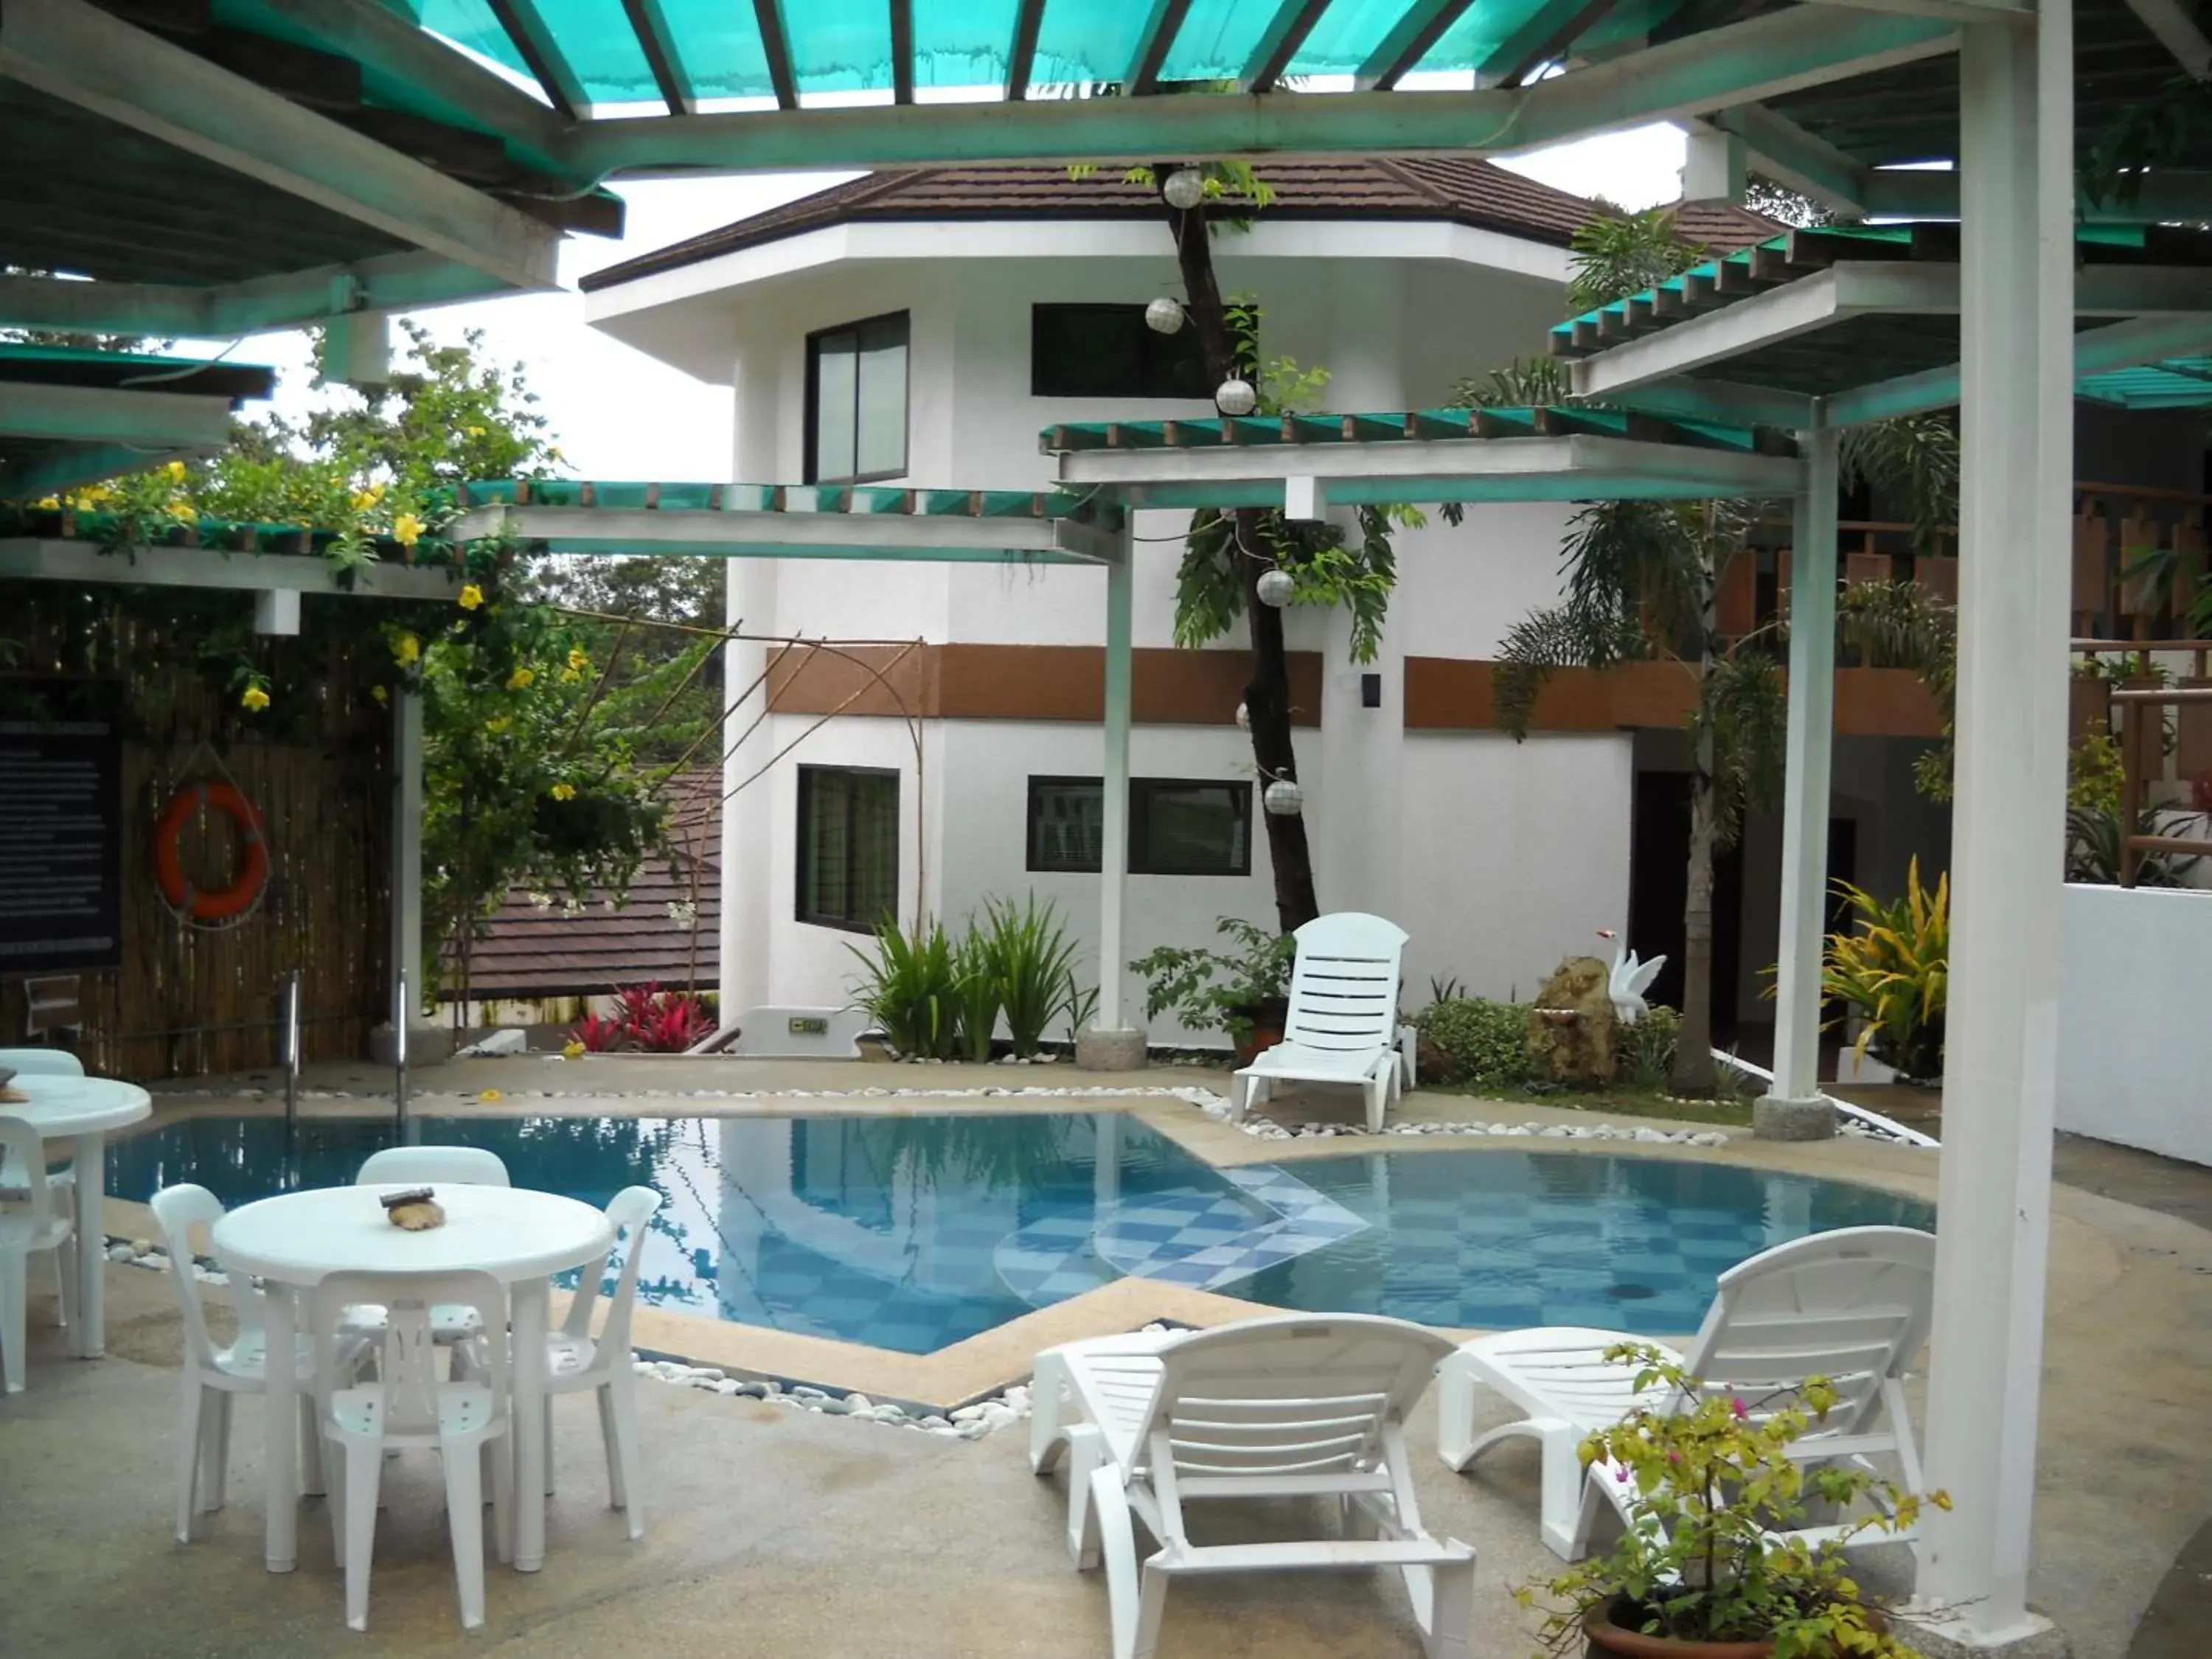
x=2016, y=166
x=1810, y=743
x=1111, y=1044
x=407, y=849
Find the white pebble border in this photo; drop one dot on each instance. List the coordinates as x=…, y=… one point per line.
x=969, y=1422
x=1263, y=1128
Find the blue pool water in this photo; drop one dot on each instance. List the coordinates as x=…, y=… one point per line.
x=914, y=1233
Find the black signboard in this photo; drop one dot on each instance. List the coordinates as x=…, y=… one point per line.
x=61, y=839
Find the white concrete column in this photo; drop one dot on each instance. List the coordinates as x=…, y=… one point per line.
x=1810, y=745
x=407, y=849
x=1114, y=842
x=2016, y=165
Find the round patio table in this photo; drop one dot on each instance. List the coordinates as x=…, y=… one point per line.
x=80, y=1113
x=519, y=1236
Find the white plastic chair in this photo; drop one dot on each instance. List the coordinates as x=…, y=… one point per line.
x=408, y=1405
x=1287, y=1406
x=1342, y=1026
x=576, y=1361
x=214, y=1377
x=41, y=1062
x=30, y=1221
x=456, y=1166
x=462, y=1166
x=1852, y=1305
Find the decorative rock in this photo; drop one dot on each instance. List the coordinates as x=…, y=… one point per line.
x=934, y=1421
x=857, y=1403
x=1570, y=1026
x=1774, y=1119
x=121, y=1253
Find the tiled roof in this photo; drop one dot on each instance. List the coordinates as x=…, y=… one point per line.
x=539, y=952
x=1414, y=187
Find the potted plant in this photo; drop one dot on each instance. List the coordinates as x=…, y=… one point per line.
x=1893, y=974
x=1241, y=992
x=1704, y=1569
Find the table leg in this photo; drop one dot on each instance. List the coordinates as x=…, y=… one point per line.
x=280, y=1430
x=88, y=1337
x=526, y=1421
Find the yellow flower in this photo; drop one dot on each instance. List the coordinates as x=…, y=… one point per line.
x=569, y=677
x=488, y=1094
x=579, y=658
x=365, y=499
x=473, y=431
x=498, y=723
x=472, y=596
x=177, y=470
x=520, y=680
x=407, y=529
x=183, y=511
x=380, y=693
x=48, y=503
x=254, y=698
x=572, y=1049
x=564, y=791
x=405, y=649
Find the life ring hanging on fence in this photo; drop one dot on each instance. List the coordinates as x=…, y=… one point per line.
x=210, y=909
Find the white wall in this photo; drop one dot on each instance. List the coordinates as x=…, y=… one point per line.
x=2135, y=1049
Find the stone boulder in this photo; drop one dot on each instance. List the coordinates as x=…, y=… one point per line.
x=1570, y=1026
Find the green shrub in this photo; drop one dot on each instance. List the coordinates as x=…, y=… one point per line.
x=1478, y=1042
x=911, y=987
x=1646, y=1050
x=1032, y=962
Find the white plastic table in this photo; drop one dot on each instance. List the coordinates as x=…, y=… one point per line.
x=81, y=1111
x=519, y=1236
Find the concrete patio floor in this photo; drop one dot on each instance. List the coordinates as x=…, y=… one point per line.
x=776, y=1532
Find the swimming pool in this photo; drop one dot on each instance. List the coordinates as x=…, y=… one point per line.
x=912, y=1233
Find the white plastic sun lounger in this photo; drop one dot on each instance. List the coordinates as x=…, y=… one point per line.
x=1342, y=1026
x=1289, y=1406
x=1852, y=1305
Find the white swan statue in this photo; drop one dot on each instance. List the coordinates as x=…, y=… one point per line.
x=1630, y=979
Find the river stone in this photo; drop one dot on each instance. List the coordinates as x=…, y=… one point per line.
x=1570, y=1026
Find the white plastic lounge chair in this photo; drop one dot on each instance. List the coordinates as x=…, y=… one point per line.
x=1343, y=1021
x=1852, y=1305
x=1290, y=1407
x=459, y=1166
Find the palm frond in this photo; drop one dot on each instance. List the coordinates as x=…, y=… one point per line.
x=1743, y=708
x=1914, y=460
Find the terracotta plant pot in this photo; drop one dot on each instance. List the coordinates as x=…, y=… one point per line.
x=1266, y=1030
x=1607, y=1640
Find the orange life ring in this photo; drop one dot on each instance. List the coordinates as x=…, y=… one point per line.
x=245, y=891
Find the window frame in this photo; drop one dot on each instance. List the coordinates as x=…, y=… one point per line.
x=1139, y=859
x=812, y=458
x=1152, y=349
x=799, y=865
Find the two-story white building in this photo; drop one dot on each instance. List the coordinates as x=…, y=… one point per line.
x=922, y=327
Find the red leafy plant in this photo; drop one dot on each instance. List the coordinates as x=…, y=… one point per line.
x=647, y=1020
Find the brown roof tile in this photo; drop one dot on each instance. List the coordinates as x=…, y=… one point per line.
x=539, y=953
x=1414, y=187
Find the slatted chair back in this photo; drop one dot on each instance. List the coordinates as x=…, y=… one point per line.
x=1344, y=987
x=463, y=1166
x=1295, y=1405
x=1853, y=1305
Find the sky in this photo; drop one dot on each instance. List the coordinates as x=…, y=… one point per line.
x=617, y=413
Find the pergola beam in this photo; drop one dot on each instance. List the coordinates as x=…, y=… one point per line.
x=2162, y=196
x=51, y=471
x=399, y=282
x=1543, y=37
x=654, y=40
x=793, y=534
x=1021, y=59
x=541, y=54
x=1431, y=469
x=113, y=414
x=1779, y=52
x=2178, y=32
x=1153, y=41
x=2096, y=350
x=41, y=559
x=87, y=58
x=1954, y=11
x=1797, y=160
x=776, y=44
x=1410, y=39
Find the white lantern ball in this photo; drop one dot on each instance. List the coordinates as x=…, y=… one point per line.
x=1283, y=799
x=1163, y=315
x=1275, y=588
x=1235, y=396
x=1185, y=189
x=1243, y=717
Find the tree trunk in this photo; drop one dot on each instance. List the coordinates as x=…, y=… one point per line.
x=1694, y=1070
x=1267, y=694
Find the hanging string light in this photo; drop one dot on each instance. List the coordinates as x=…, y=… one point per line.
x=1234, y=396
x=1243, y=718
x=1164, y=315
x=1284, y=798
x=1275, y=588
x=1185, y=189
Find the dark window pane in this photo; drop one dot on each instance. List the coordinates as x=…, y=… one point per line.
x=856, y=401
x=1067, y=824
x=1190, y=829
x=1107, y=351
x=847, y=846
